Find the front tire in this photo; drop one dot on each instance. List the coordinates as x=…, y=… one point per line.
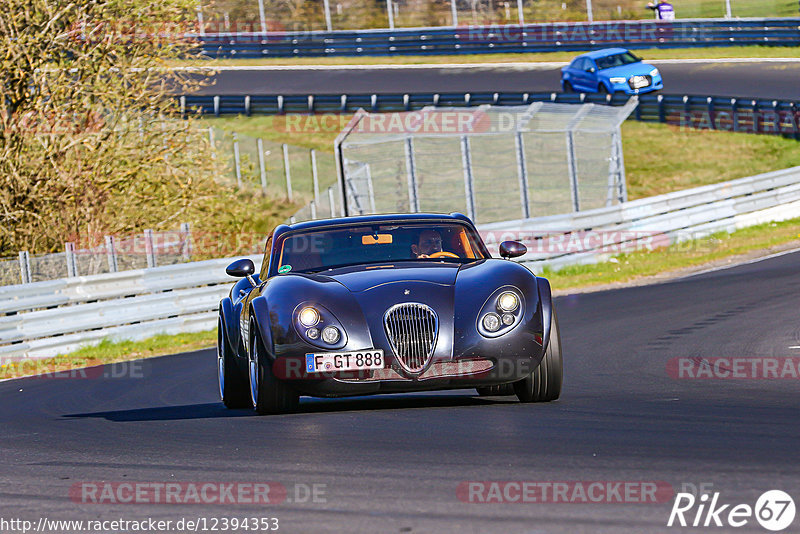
x=544, y=383
x=233, y=390
x=268, y=395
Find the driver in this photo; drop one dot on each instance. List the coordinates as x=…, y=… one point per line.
x=429, y=242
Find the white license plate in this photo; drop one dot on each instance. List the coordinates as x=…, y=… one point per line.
x=640, y=81
x=359, y=360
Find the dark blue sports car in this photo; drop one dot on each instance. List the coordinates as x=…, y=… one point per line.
x=612, y=70
x=385, y=304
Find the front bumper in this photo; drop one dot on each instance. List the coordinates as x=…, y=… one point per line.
x=656, y=85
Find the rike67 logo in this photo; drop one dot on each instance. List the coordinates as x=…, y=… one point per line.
x=774, y=510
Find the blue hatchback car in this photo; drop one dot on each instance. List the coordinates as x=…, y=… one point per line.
x=611, y=70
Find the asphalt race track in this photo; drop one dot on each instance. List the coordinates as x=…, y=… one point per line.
x=393, y=464
x=756, y=79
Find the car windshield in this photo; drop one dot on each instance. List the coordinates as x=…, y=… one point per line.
x=616, y=60
x=327, y=248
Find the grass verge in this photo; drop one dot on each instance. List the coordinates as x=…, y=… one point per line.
x=111, y=352
x=624, y=269
x=528, y=57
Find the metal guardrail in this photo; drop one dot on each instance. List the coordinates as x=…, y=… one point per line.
x=55, y=317
x=595, y=235
x=771, y=117
x=685, y=33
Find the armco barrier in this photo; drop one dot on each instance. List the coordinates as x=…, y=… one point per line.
x=771, y=117
x=57, y=316
x=685, y=33
x=47, y=318
x=587, y=237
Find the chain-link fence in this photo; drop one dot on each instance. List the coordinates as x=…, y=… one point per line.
x=277, y=15
x=276, y=169
x=491, y=163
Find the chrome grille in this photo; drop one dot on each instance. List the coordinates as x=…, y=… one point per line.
x=412, y=329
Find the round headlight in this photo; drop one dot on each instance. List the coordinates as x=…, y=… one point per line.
x=309, y=317
x=330, y=335
x=312, y=333
x=508, y=319
x=508, y=302
x=491, y=322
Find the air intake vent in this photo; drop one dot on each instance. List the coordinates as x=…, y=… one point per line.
x=412, y=329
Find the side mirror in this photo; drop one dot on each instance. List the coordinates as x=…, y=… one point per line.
x=512, y=249
x=592, y=70
x=241, y=268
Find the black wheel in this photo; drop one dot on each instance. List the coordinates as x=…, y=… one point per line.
x=568, y=88
x=268, y=395
x=233, y=388
x=496, y=391
x=544, y=383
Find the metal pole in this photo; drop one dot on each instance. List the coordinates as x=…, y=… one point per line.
x=331, y=202
x=236, y=161
x=111, y=254
x=327, y=6
x=262, y=165
x=370, y=190
x=411, y=173
x=573, y=171
x=149, y=249
x=69, y=254
x=315, y=175
x=623, y=183
x=589, y=15
x=391, y=14
x=466, y=165
x=454, y=12
x=211, y=142
x=728, y=14
x=201, y=27
x=519, y=11
x=186, y=242
x=313, y=206
x=287, y=172
x=25, y=267
x=262, y=16
x=522, y=173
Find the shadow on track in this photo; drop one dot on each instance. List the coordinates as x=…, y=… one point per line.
x=307, y=406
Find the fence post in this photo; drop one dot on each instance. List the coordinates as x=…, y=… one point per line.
x=216, y=106
x=411, y=173
x=315, y=175
x=313, y=206
x=236, y=160
x=111, y=254
x=262, y=165
x=390, y=12
x=186, y=242
x=262, y=15
x=327, y=6
x=331, y=202
x=69, y=254
x=454, y=13
x=589, y=14
x=211, y=142
x=370, y=190
x=572, y=164
x=287, y=172
x=149, y=249
x=466, y=165
x=521, y=16
x=522, y=172
x=25, y=267
x=201, y=30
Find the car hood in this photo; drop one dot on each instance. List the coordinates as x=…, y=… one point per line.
x=364, y=278
x=627, y=71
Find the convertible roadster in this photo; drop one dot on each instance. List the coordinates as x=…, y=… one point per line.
x=385, y=304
